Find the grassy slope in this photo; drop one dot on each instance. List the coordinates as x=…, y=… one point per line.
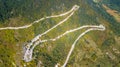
x=89, y=51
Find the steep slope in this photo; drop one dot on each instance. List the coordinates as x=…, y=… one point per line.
x=95, y=49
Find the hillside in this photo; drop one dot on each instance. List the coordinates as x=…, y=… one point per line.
x=94, y=49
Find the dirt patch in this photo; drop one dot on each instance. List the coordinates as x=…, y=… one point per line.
x=114, y=13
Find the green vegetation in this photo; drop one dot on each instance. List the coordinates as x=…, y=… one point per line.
x=113, y=4
x=6, y=56
x=23, y=12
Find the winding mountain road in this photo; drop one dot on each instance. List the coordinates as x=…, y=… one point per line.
x=28, y=49
x=36, y=40
x=74, y=8
x=101, y=28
